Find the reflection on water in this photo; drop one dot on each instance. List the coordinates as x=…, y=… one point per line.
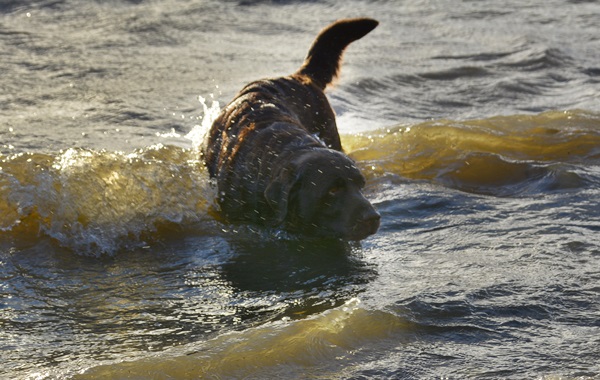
x=156, y=297
x=307, y=276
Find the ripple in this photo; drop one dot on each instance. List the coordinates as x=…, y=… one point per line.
x=457, y=73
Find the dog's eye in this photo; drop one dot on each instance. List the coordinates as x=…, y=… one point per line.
x=335, y=190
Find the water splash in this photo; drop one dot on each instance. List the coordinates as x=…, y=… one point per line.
x=196, y=135
x=100, y=202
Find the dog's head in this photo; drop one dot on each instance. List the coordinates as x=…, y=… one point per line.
x=318, y=192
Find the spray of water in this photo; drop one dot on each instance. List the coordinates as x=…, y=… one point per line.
x=210, y=113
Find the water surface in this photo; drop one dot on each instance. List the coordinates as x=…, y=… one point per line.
x=476, y=124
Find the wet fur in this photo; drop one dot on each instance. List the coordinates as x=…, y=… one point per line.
x=276, y=155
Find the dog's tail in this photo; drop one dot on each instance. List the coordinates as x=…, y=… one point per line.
x=323, y=60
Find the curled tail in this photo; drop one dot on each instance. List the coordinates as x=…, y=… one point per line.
x=323, y=60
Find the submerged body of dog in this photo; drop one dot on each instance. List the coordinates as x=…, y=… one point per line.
x=275, y=151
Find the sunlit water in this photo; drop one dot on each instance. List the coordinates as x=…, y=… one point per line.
x=476, y=124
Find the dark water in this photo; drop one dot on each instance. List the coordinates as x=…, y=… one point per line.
x=477, y=125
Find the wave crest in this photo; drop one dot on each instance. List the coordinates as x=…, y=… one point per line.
x=504, y=155
x=99, y=202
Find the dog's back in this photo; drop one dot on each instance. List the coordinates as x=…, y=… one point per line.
x=298, y=98
x=257, y=106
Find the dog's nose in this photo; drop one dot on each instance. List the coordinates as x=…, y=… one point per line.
x=370, y=222
x=367, y=224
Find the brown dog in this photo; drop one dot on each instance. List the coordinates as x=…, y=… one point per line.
x=276, y=154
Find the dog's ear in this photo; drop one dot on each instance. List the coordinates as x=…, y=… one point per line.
x=278, y=192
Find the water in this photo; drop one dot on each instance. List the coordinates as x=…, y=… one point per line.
x=477, y=125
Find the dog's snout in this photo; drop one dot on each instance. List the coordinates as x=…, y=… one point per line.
x=370, y=221
x=366, y=224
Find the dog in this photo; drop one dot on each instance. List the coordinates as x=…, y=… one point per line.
x=276, y=155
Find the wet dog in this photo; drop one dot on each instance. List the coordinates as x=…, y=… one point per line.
x=276, y=155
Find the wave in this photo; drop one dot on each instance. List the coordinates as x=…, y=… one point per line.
x=97, y=202
x=458, y=72
x=522, y=75
x=504, y=155
x=280, y=349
